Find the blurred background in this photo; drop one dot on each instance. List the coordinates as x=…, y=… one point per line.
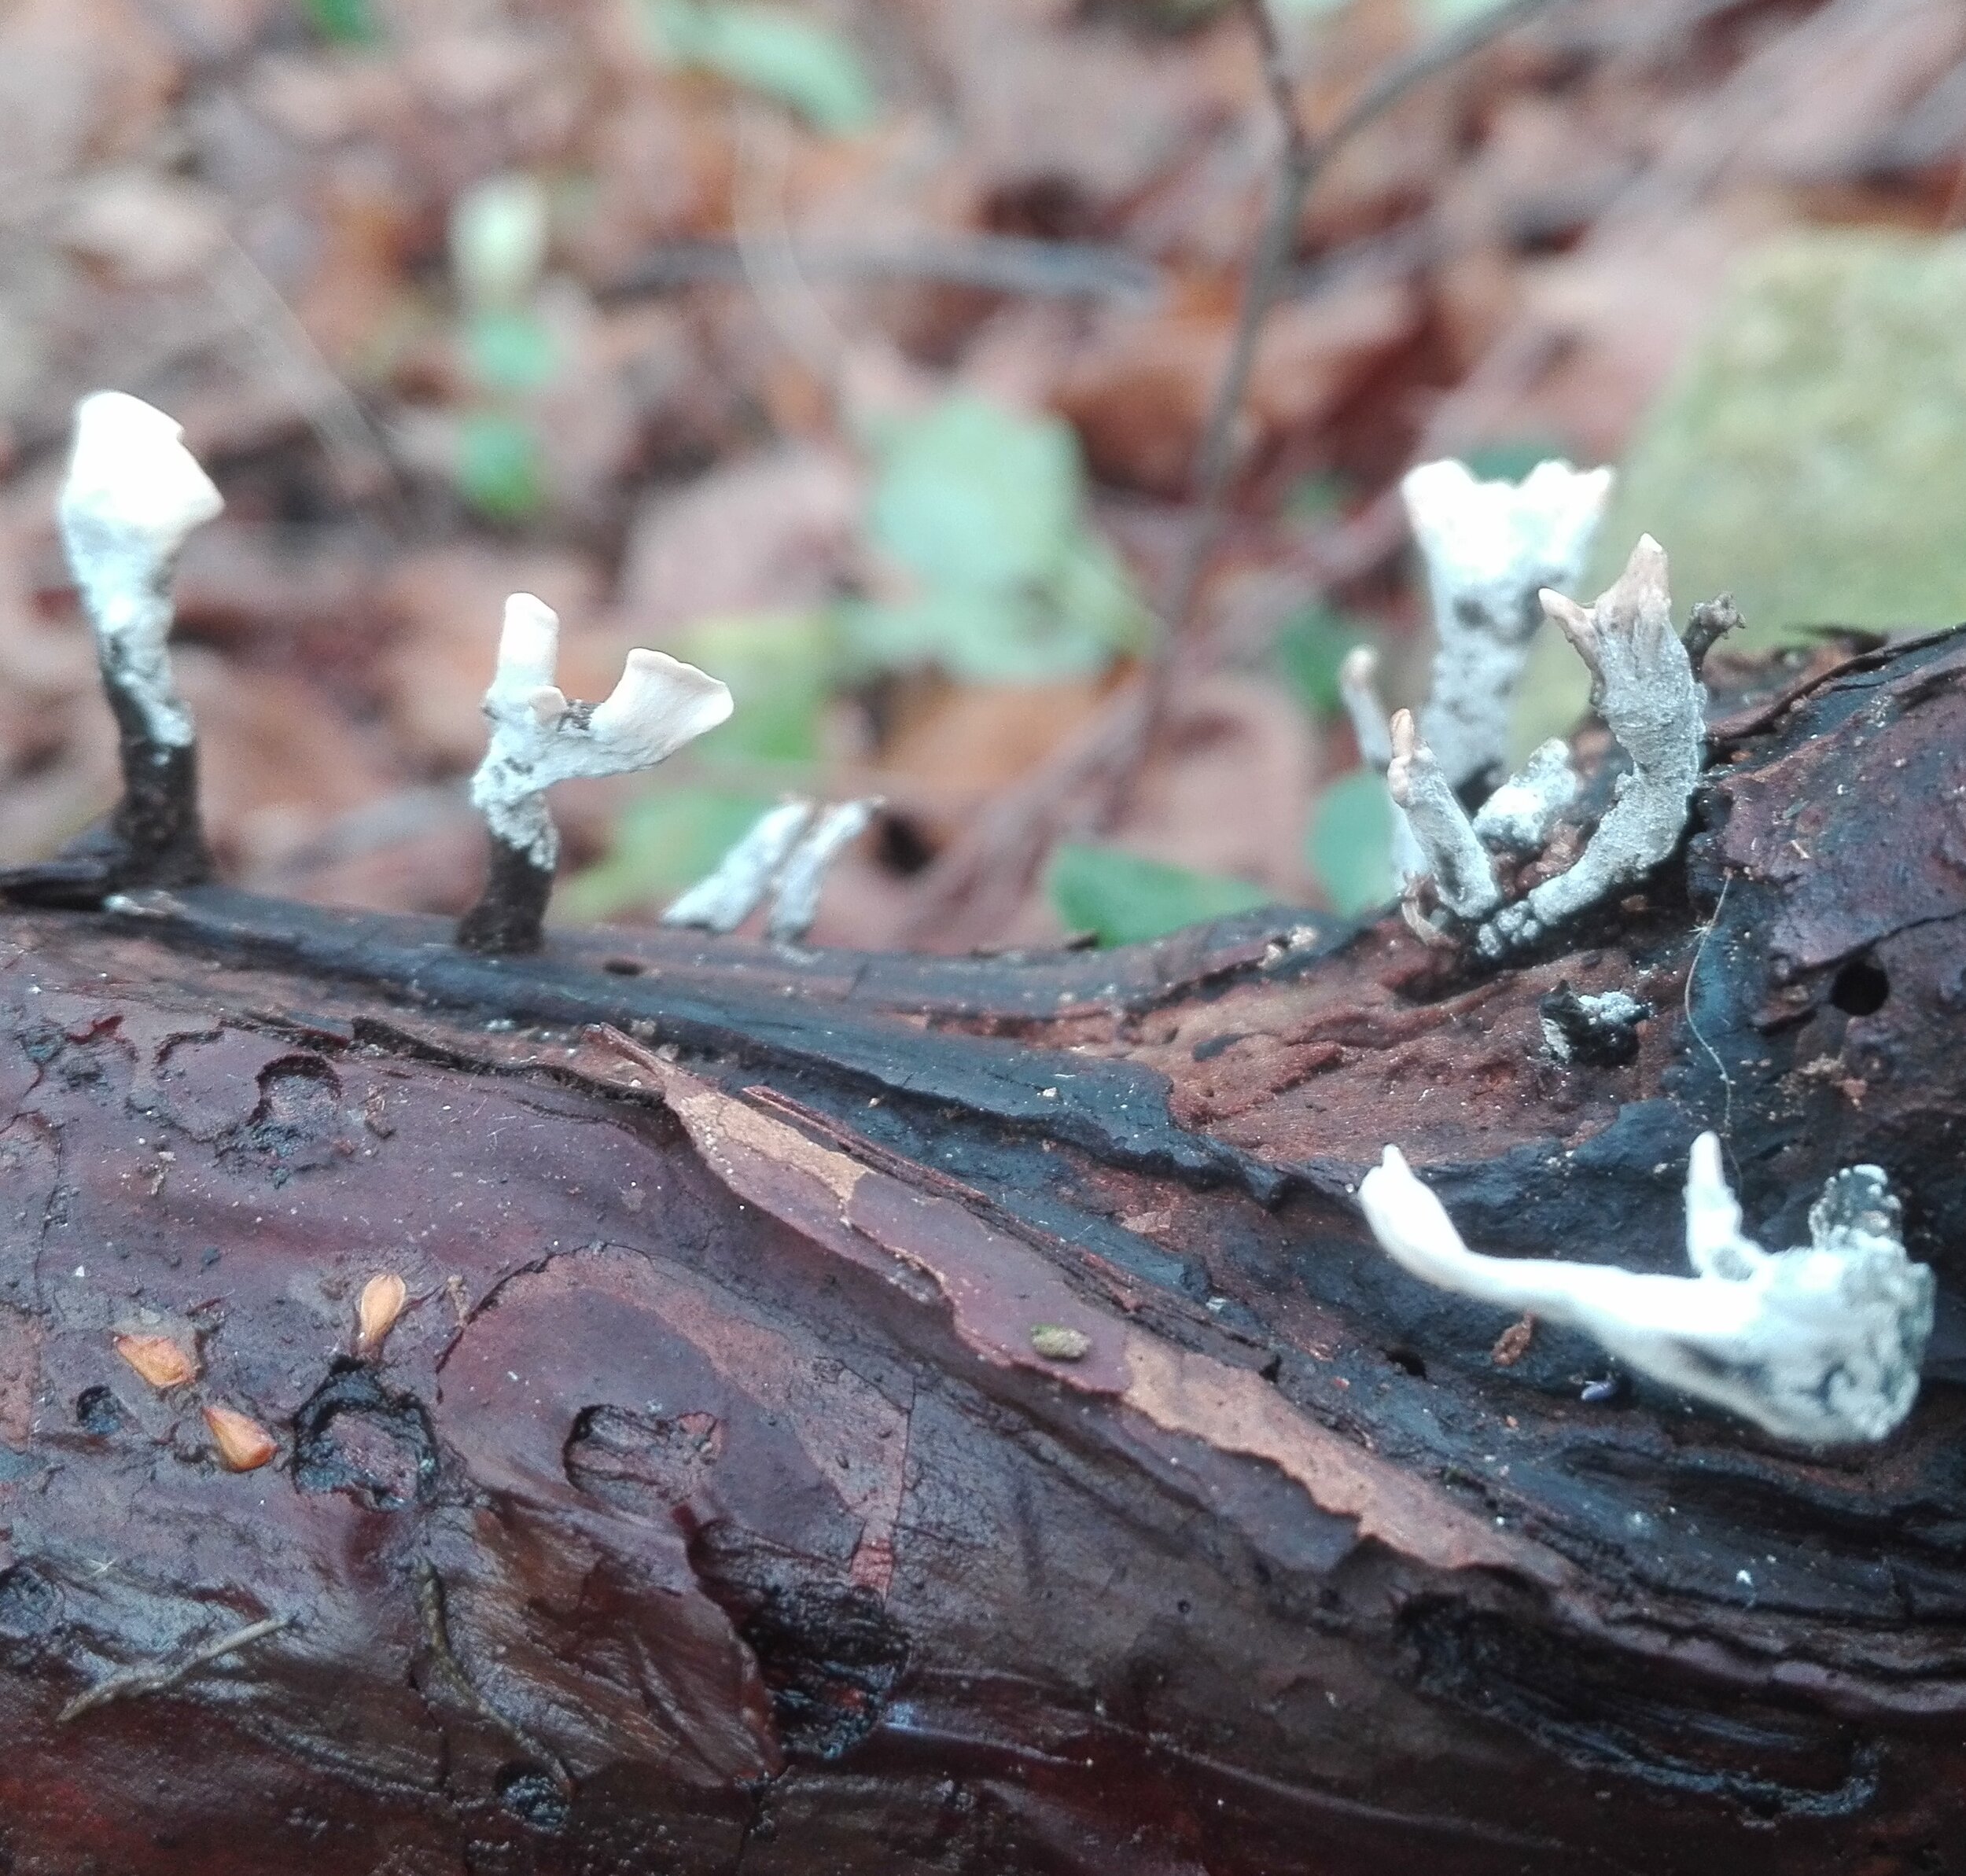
x=860, y=352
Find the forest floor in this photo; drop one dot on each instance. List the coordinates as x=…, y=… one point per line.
x=861, y=353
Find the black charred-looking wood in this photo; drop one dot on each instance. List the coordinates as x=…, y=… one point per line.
x=155, y=836
x=510, y=918
x=714, y=1506
x=1590, y=1036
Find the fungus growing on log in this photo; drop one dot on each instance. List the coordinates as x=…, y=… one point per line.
x=133, y=495
x=538, y=738
x=1821, y=1344
x=1490, y=548
x=900, y=1411
x=785, y=853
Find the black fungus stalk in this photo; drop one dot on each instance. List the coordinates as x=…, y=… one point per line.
x=133, y=494
x=538, y=738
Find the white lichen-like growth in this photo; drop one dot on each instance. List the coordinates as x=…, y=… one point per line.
x=797, y=901
x=1520, y=816
x=1462, y=873
x=1821, y=1344
x=132, y=495
x=1490, y=548
x=724, y=898
x=538, y=738
x=1608, y=1010
x=1644, y=689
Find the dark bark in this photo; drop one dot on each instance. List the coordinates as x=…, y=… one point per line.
x=725, y=1512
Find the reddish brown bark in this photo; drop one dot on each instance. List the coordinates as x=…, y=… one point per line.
x=728, y=1497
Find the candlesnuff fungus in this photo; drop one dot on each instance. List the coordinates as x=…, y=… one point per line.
x=1821, y=1344
x=786, y=853
x=538, y=738
x=1643, y=686
x=1461, y=872
x=1490, y=548
x=729, y=893
x=132, y=496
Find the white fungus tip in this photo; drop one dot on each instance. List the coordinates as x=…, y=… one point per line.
x=659, y=704
x=1360, y=665
x=1563, y=611
x=529, y=647
x=1821, y=1344
x=129, y=468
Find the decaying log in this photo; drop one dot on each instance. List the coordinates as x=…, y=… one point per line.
x=899, y=1413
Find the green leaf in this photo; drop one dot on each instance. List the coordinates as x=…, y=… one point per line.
x=981, y=508
x=801, y=63
x=508, y=349
x=665, y=841
x=1351, y=843
x=781, y=668
x=973, y=495
x=1310, y=646
x=499, y=470
x=1126, y=900
x=343, y=22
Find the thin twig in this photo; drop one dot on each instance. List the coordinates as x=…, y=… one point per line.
x=1304, y=159
x=996, y=859
x=1003, y=264
x=154, y=1677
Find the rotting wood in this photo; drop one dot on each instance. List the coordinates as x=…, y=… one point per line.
x=772, y=1536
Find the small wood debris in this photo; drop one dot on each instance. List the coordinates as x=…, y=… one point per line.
x=1058, y=1344
x=161, y=1362
x=381, y=1302
x=244, y=1444
x=1513, y=1343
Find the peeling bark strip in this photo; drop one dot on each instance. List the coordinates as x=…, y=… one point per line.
x=719, y=1493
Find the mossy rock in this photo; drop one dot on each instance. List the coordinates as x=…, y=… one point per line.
x=1808, y=456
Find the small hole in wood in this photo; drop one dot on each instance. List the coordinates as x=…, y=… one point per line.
x=1861, y=987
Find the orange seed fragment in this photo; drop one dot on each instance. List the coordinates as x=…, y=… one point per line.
x=244, y=1444
x=160, y=1361
x=381, y=1302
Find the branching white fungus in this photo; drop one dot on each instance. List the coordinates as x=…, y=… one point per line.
x=1490, y=547
x=538, y=738
x=1821, y=1344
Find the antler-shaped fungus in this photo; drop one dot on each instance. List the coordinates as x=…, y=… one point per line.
x=1644, y=686
x=1490, y=548
x=1819, y=1344
x=538, y=738
x=779, y=856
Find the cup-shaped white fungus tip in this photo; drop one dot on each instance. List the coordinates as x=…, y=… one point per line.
x=1534, y=533
x=659, y=704
x=130, y=471
x=538, y=738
